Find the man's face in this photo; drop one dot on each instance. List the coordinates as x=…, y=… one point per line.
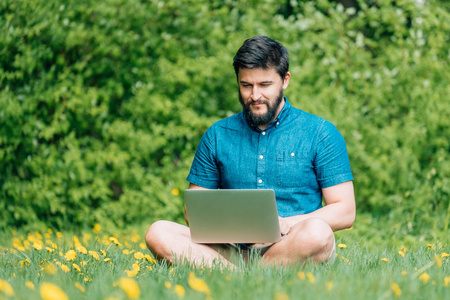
x=261, y=95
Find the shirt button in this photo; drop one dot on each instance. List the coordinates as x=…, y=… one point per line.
x=292, y=154
x=278, y=123
x=261, y=157
x=263, y=133
x=260, y=181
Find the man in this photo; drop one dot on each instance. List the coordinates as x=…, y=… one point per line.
x=270, y=145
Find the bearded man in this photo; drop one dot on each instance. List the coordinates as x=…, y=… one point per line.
x=269, y=145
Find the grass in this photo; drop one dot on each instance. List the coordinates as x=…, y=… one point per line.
x=121, y=268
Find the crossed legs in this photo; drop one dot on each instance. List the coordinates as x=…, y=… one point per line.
x=311, y=239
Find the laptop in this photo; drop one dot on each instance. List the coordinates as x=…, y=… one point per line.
x=232, y=216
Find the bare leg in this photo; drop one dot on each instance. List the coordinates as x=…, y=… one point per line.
x=311, y=239
x=172, y=241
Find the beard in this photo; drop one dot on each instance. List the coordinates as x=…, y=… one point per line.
x=264, y=119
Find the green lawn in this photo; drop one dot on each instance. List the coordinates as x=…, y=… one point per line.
x=100, y=265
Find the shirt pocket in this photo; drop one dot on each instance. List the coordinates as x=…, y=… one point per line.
x=293, y=169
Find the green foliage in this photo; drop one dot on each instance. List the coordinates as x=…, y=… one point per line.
x=102, y=104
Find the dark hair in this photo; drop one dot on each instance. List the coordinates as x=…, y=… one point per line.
x=262, y=52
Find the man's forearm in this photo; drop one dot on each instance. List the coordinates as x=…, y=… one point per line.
x=338, y=215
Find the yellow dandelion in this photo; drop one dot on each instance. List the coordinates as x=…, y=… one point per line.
x=50, y=269
x=142, y=246
x=447, y=281
x=103, y=252
x=64, y=268
x=149, y=268
x=438, y=261
x=139, y=255
x=311, y=277
x=167, y=285
x=401, y=253
x=51, y=250
x=131, y=273
x=396, y=289
x=329, y=285
x=83, y=263
x=76, y=267
x=136, y=238
x=87, y=279
x=6, y=288
x=49, y=291
x=404, y=273
x=59, y=235
x=425, y=277
x=54, y=246
x=404, y=249
x=342, y=246
x=136, y=266
x=29, y=285
x=150, y=259
x=175, y=192
x=97, y=228
x=25, y=262
x=129, y=286
x=301, y=275
x=198, y=284
x=179, y=290
x=115, y=241
x=107, y=259
x=94, y=254
x=443, y=254
x=37, y=246
x=384, y=259
x=80, y=287
x=70, y=255
x=82, y=249
x=126, y=252
x=280, y=296
x=430, y=246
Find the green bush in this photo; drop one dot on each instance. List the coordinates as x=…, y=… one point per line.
x=102, y=104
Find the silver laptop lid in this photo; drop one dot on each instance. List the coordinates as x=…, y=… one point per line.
x=232, y=216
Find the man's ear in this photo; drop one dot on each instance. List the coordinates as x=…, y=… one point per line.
x=286, y=80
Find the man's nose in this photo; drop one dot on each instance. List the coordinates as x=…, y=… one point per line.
x=255, y=94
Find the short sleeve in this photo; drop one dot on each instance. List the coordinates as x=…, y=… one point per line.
x=204, y=171
x=331, y=161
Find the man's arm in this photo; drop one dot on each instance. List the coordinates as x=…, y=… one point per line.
x=192, y=187
x=339, y=212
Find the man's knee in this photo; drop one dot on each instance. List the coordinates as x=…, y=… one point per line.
x=156, y=238
x=315, y=237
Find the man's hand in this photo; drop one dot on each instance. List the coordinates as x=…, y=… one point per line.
x=285, y=225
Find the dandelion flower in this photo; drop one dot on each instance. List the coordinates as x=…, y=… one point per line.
x=97, y=228
x=280, y=296
x=25, y=262
x=404, y=249
x=126, y=252
x=150, y=259
x=342, y=246
x=301, y=275
x=115, y=241
x=142, y=246
x=447, y=281
x=131, y=273
x=80, y=287
x=401, y=253
x=396, y=289
x=311, y=277
x=179, y=290
x=49, y=291
x=29, y=285
x=6, y=288
x=430, y=246
x=94, y=254
x=50, y=269
x=64, y=268
x=139, y=255
x=384, y=259
x=51, y=250
x=443, y=254
x=76, y=267
x=167, y=285
x=198, y=284
x=404, y=272
x=129, y=286
x=175, y=192
x=37, y=246
x=70, y=255
x=82, y=249
x=425, y=277
x=438, y=261
x=107, y=259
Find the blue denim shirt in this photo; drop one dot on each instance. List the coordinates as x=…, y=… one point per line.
x=296, y=156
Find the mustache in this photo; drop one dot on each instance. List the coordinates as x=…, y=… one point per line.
x=259, y=102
